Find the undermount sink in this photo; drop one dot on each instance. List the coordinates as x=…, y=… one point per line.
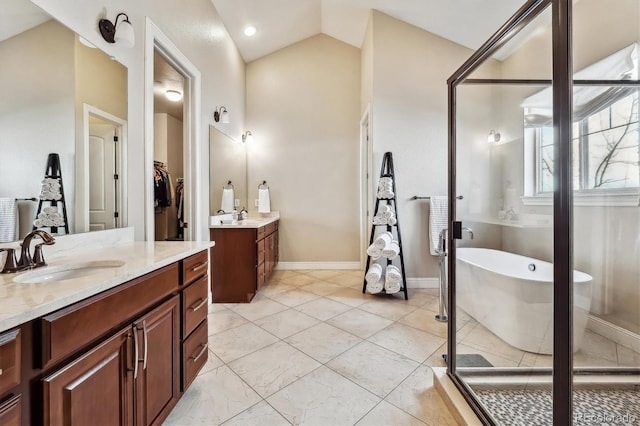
x=66, y=272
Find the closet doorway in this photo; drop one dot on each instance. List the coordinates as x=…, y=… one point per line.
x=168, y=150
x=167, y=70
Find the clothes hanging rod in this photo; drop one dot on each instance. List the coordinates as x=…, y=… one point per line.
x=415, y=197
x=27, y=199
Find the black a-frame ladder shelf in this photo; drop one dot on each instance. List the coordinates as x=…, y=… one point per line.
x=388, y=171
x=51, y=196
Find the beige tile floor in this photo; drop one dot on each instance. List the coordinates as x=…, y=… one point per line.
x=311, y=349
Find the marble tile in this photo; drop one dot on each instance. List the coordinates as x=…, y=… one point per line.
x=298, y=280
x=528, y=360
x=259, y=307
x=323, y=274
x=581, y=359
x=393, y=309
x=420, y=296
x=373, y=367
x=436, y=360
x=212, y=363
x=417, y=396
x=285, y=323
x=595, y=346
x=385, y=414
x=322, y=288
x=485, y=340
x=362, y=324
x=273, y=288
x=495, y=360
x=216, y=307
x=294, y=297
x=408, y=341
x=260, y=414
x=213, y=398
x=323, y=309
x=349, y=296
x=425, y=320
x=280, y=274
x=224, y=320
x=265, y=371
x=323, y=342
x=431, y=303
x=348, y=279
x=323, y=398
x=627, y=357
x=240, y=341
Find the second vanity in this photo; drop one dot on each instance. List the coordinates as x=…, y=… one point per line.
x=116, y=346
x=246, y=254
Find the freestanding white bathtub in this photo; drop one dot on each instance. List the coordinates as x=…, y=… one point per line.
x=502, y=292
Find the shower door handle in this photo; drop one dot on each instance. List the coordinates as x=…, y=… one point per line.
x=457, y=230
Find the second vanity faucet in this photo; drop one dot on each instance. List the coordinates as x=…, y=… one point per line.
x=26, y=261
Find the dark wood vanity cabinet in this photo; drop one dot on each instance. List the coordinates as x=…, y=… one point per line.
x=114, y=358
x=242, y=261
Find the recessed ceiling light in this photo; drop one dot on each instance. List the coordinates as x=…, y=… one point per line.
x=250, y=31
x=173, y=95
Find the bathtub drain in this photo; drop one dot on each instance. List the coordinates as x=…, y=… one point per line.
x=532, y=267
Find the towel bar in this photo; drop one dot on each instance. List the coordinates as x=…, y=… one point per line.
x=415, y=197
x=27, y=199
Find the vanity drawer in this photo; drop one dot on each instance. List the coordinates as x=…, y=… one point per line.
x=9, y=360
x=194, y=305
x=271, y=228
x=68, y=330
x=194, y=354
x=261, y=233
x=261, y=255
x=194, y=267
x=11, y=412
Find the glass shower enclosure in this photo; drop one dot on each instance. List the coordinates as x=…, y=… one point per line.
x=544, y=223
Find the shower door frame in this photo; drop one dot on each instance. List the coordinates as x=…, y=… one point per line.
x=562, y=86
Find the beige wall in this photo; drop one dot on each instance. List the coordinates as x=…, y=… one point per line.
x=228, y=162
x=606, y=242
x=197, y=30
x=303, y=108
x=36, y=114
x=409, y=118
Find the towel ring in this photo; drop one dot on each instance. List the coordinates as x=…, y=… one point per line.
x=263, y=185
x=229, y=185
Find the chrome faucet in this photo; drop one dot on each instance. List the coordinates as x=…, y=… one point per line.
x=26, y=261
x=512, y=214
x=469, y=231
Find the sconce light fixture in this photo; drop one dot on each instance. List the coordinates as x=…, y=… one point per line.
x=221, y=115
x=493, y=137
x=173, y=95
x=121, y=33
x=247, y=137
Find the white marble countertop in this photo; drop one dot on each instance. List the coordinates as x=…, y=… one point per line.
x=20, y=303
x=252, y=222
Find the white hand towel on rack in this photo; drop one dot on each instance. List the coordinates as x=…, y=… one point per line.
x=438, y=217
x=391, y=287
x=383, y=240
x=264, y=200
x=228, y=197
x=8, y=220
x=374, y=252
x=373, y=274
x=375, y=287
x=392, y=250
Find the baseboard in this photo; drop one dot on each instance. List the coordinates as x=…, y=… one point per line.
x=423, y=283
x=614, y=333
x=293, y=266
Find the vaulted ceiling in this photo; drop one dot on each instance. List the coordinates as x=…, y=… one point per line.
x=284, y=22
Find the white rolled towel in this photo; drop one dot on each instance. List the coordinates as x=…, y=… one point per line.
x=375, y=287
x=388, y=215
x=374, y=252
x=50, y=209
x=393, y=274
x=383, y=240
x=391, y=287
x=373, y=274
x=379, y=220
x=392, y=250
x=384, y=208
x=385, y=194
x=392, y=221
x=386, y=180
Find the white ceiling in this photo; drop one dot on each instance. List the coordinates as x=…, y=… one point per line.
x=284, y=22
x=166, y=77
x=18, y=16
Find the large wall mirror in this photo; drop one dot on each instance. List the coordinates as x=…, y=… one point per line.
x=227, y=163
x=60, y=95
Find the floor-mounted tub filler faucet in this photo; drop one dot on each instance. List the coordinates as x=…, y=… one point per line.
x=442, y=263
x=26, y=261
